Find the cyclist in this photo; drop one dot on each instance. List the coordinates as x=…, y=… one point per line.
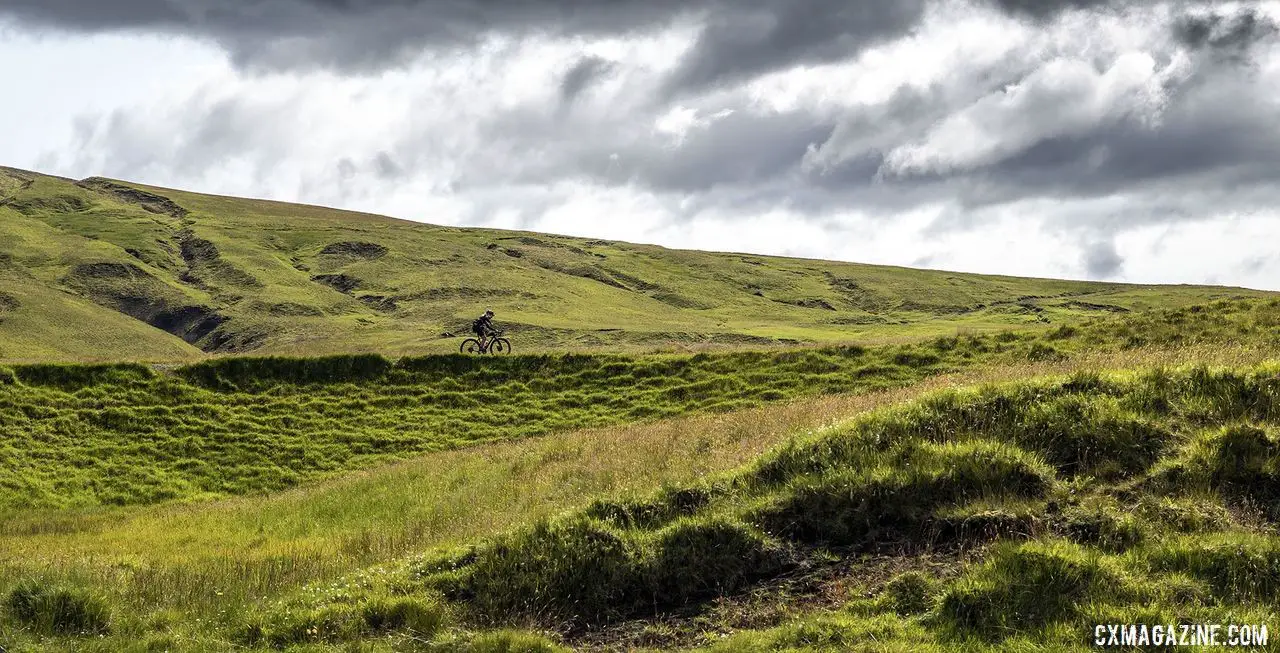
x=483, y=328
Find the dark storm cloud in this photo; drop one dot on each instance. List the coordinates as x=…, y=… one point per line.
x=584, y=73
x=346, y=34
x=1102, y=261
x=1047, y=8
x=739, y=39
x=89, y=15
x=1255, y=264
x=1216, y=132
x=741, y=149
x=386, y=167
x=1230, y=34
x=758, y=37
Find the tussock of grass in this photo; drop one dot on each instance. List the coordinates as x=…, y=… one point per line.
x=910, y=593
x=1236, y=566
x=347, y=621
x=582, y=571
x=1029, y=586
x=500, y=641
x=58, y=610
x=959, y=468
x=897, y=504
x=1242, y=462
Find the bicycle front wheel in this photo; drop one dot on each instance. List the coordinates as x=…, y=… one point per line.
x=471, y=346
x=500, y=346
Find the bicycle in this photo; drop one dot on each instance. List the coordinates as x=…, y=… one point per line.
x=497, y=345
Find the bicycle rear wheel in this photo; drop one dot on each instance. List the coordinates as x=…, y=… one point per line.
x=500, y=346
x=471, y=346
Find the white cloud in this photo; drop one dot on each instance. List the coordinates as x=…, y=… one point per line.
x=781, y=163
x=1064, y=97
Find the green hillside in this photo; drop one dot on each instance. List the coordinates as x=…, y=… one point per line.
x=816, y=499
x=104, y=270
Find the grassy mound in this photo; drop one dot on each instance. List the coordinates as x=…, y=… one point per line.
x=1030, y=586
x=1081, y=483
x=582, y=571
x=58, y=610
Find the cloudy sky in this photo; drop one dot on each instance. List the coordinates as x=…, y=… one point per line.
x=1129, y=140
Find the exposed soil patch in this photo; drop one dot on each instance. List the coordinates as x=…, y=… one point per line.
x=8, y=303
x=196, y=250
x=854, y=293
x=538, y=242
x=56, y=204
x=380, y=303
x=232, y=342
x=584, y=271
x=680, y=301
x=368, y=251
x=634, y=282
x=291, y=309
x=109, y=271
x=435, y=294
x=191, y=323
x=130, y=290
x=1109, y=308
x=808, y=303
x=513, y=253
x=808, y=589
x=343, y=283
x=148, y=201
x=936, y=309
x=205, y=262
x=860, y=319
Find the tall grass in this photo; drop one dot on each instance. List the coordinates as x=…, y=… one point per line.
x=83, y=436
x=910, y=477
x=222, y=561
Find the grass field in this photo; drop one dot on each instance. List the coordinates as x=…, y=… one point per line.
x=301, y=531
x=105, y=271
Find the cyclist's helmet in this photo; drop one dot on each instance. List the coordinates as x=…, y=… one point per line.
x=489, y=313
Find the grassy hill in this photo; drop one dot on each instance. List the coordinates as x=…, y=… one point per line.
x=101, y=270
x=789, y=498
